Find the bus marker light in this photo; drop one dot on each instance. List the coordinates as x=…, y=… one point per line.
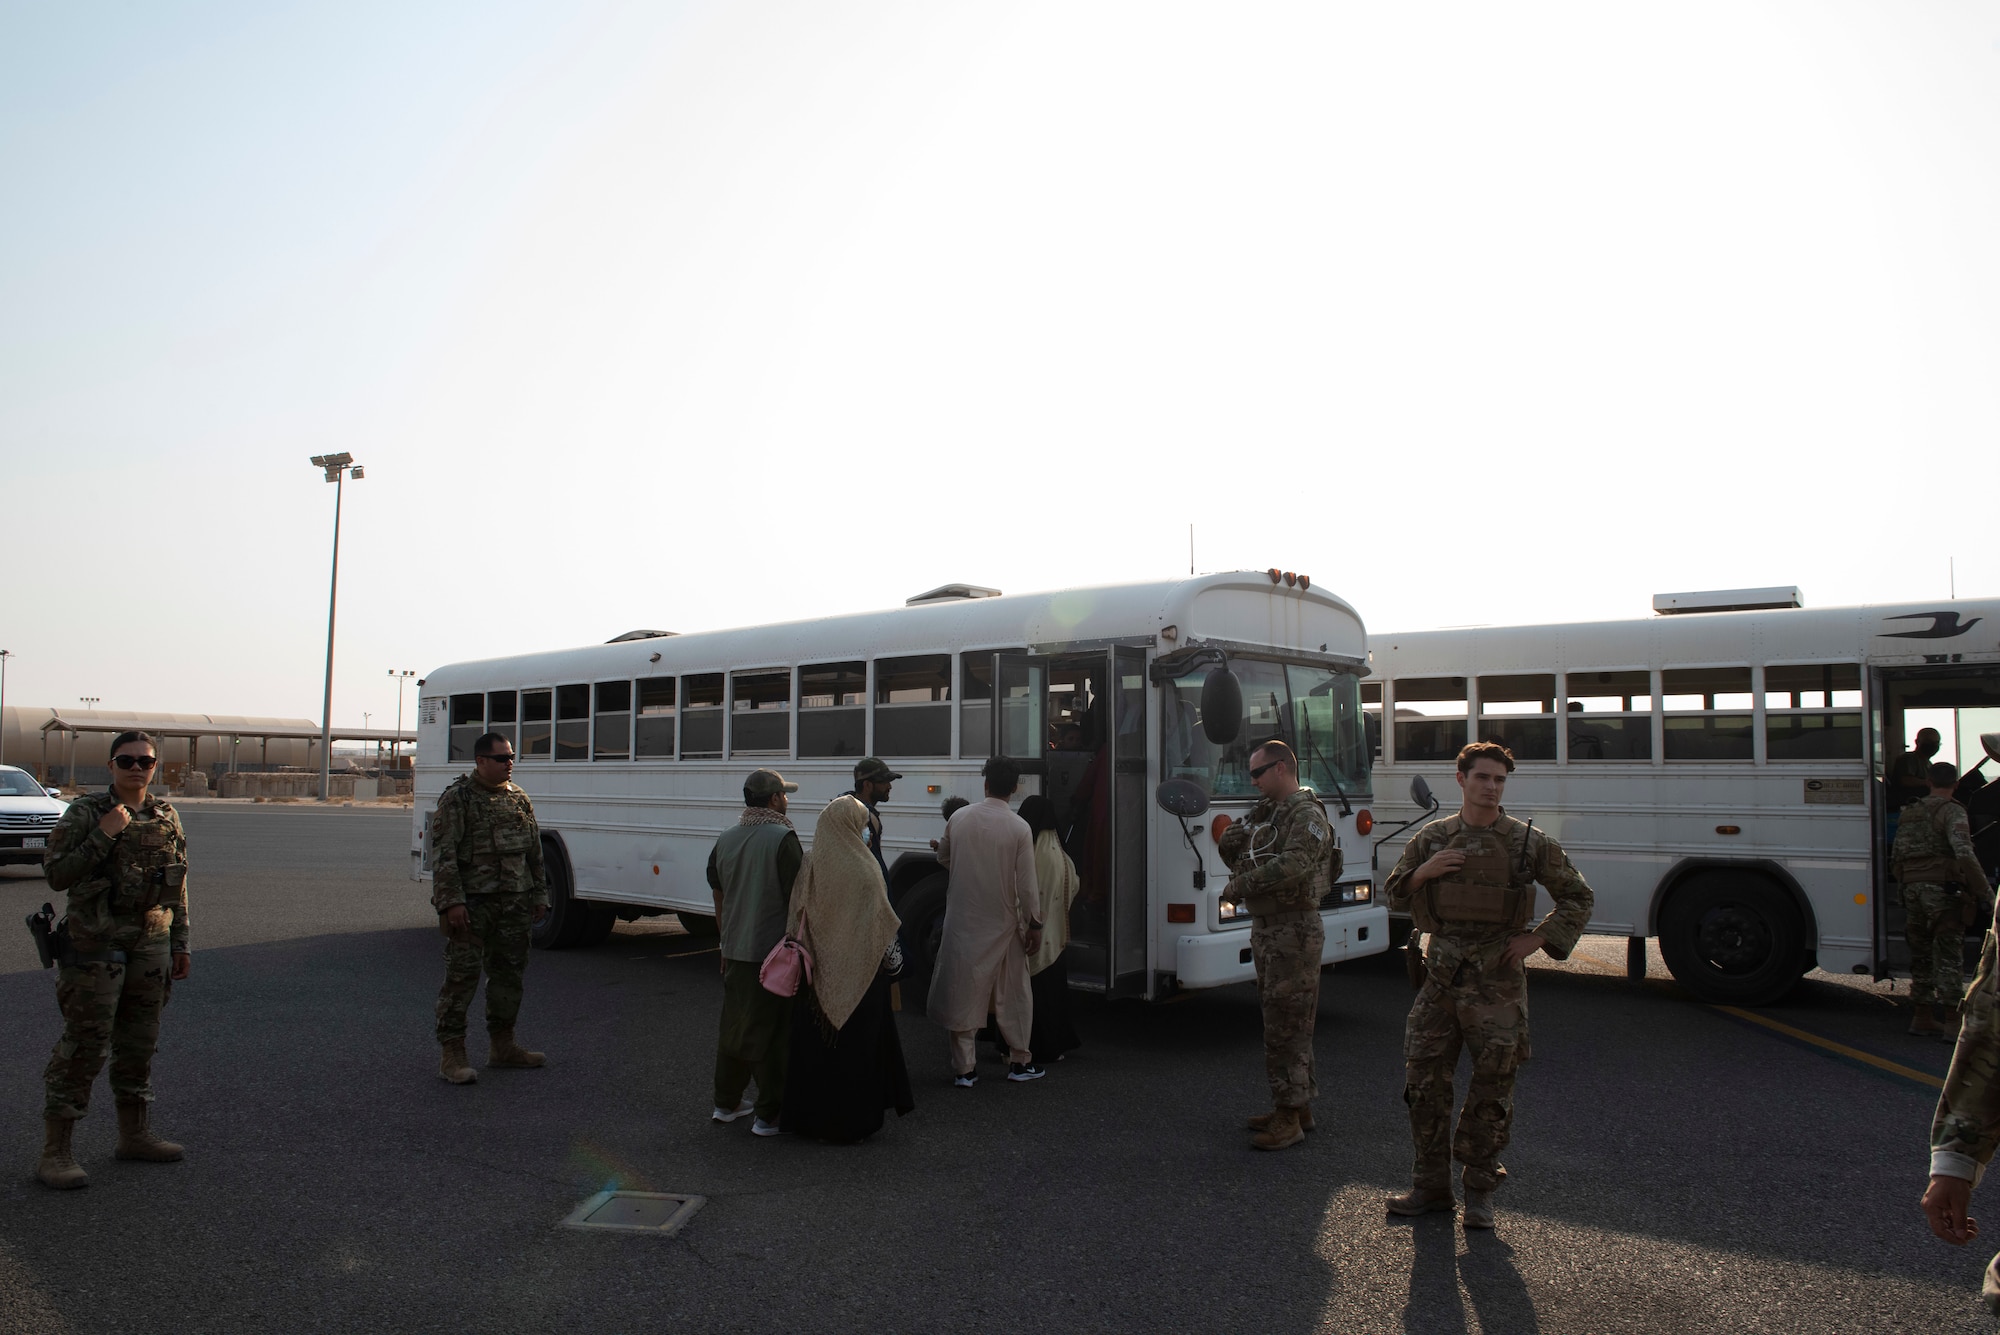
x=1275, y=574
x=1861, y=899
x=1305, y=581
x=1729, y=829
x=933, y=789
x=1217, y=826
x=1180, y=913
x=656, y=869
x=1364, y=821
x=1291, y=579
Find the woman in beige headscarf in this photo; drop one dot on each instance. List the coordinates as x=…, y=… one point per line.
x=1048, y=976
x=846, y=1061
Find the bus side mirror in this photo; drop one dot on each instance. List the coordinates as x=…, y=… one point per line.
x=1991, y=742
x=1221, y=707
x=1420, y=793
x=1181, y=797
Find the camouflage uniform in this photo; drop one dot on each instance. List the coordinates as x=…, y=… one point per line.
x=1471, y=998
x=1933, y=860
x=1966, y=1127
x=1282, y=860
x=486, y=855
x=125, y=920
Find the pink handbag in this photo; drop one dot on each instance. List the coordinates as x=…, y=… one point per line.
x=783, y=967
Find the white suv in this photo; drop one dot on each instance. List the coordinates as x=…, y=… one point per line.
x=28, y=812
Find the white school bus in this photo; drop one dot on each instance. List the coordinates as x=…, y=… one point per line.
x=1718, y=776
x=635, y=752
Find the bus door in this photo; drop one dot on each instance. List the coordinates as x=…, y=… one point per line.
x=1961, y=703
x=1078, y=720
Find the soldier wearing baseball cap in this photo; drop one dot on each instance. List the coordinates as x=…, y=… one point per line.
x=872, y=779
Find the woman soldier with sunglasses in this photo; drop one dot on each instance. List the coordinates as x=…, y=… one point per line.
x=122, y=858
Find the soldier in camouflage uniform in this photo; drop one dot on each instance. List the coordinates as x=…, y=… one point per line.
x=1282, y=859
x=1967, y=1125
x=122, y=858
x=1469, y=880
x=488, y=886
x=1944, y=892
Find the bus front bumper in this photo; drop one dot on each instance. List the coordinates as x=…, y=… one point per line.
x=1217, y=959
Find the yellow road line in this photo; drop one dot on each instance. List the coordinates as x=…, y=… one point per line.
x=1855, y=1054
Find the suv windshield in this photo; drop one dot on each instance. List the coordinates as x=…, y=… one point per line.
x=19, y=783
x=1315, y=710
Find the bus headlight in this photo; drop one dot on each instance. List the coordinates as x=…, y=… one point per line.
x=1228, y=912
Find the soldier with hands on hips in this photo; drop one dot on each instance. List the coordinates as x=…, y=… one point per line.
x=122, y=857
x=1469, y=881
x=1282, y=859
x=488, y=886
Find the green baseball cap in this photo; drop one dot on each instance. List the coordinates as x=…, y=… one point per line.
x=767, y=782
x=878, y=770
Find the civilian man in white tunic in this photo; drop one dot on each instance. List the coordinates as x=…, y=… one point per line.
x=990, y=929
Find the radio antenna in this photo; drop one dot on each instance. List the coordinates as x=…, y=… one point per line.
x=1190, y=549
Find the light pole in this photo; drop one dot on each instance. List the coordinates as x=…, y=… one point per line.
x=402, y=676
x=89, y=701
x=336, y=468
x=6, y=654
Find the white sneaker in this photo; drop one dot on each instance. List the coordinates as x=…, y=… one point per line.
x=724, y=1115
x=760, y=1127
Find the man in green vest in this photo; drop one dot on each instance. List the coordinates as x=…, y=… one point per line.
x=751, y=871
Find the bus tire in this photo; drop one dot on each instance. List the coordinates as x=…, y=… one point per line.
x=598, y=920
x=922, y=910
x=1733, y=937
x=566, y=921
x=699, y=924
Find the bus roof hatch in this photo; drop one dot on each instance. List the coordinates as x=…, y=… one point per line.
x=951, y=593
x=1729, y=600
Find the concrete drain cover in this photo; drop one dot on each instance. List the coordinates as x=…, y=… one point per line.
x=656, y=1212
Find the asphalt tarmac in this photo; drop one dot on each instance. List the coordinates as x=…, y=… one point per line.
x=1675, y=1167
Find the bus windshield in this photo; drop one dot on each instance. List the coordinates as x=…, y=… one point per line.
x=1315, y=710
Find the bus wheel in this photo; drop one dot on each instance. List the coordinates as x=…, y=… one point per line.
x=598, y=920
x=922, y=910
x=699, y=924
x=1733, y=937
x=568, y=917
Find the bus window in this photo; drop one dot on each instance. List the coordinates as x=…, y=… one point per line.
x=1610, y=715
x=975, y=704
x=701, y=721
x=833, y=709
x=653, y=730
x=1812, y=712
x=760, y=713
x=500, y=715
x=913, y=706
x=468, y=720
x=573, y=722
x=1707, y=713
x=1326, y=729
x=1371, y=717
x=1430, y=718
x=537, y=708
x=1311, y=709
x=612, y=737
x=1519, y=712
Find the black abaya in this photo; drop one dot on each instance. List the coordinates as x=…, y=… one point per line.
x=837, y=1085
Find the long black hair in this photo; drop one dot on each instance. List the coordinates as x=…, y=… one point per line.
x=1039, y=812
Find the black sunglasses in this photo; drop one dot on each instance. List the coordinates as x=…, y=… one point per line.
x=497, y=757
x=135, y=762
x=1258, y=771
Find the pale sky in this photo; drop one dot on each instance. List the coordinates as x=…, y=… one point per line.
x=700, y=315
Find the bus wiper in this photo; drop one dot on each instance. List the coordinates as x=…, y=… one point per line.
x=1326, y=766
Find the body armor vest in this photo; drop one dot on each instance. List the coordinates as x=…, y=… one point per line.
x=1494, y=888
x=1924, y=855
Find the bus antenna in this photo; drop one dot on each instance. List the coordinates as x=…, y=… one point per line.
x=1190, y=549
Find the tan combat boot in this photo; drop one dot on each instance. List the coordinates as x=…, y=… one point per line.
x=1947, y=1024
x=452, y=1064
x=1421, y=1200
x=1262, y=1120
x=1281, y=1132
x=505, y=1052
x=58, y=1167
x=137, y=1141
x=1478, y=1209
x=1921, y=1020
